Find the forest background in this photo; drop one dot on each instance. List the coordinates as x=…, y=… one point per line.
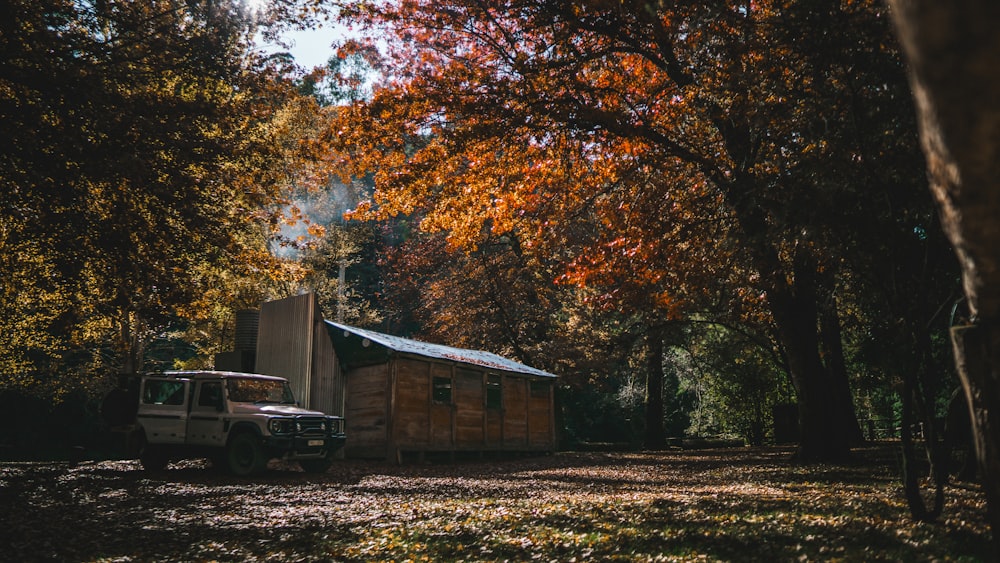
x=692, y=214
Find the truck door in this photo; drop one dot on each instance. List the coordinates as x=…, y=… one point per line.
x=205, y=424
x=164, y=410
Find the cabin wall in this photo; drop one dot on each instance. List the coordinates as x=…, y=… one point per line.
x=470, y=409
x=541, y=415
x=366, y=411
x=515, y=412
x=411, y=403
x=442, y=411
x=443, y=407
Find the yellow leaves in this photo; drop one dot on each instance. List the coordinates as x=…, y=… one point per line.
x=316, y=230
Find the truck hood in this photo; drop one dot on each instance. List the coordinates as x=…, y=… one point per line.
x=272, y=409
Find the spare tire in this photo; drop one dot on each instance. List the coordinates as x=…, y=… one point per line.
x=120, y=407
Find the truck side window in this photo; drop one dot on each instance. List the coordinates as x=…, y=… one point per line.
x=163, y=392
x=211, y=395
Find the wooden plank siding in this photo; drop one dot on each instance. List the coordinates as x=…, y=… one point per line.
x=442, y=413
x=366, y=419
x=515, y=413
x=494, y=429
x=470, y=409
x=411, y=397
x=441, y=407
x=540, y=420
x=326, y=389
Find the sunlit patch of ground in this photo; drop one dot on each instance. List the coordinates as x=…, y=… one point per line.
x=715, y=505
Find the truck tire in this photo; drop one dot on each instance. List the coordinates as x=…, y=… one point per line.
x=152, y=457
x=245, y=456
x=316, y=465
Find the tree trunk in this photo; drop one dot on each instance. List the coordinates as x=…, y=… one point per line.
x=910, y=397
x=977, y=357
x=953, y=51
x=655, y=438
x=822, y=435
x=833, y=356
x=794, y=306
x=132, y=344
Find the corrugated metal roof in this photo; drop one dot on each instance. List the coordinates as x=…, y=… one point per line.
x=407, y=346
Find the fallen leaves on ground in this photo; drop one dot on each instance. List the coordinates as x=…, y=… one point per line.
x=740, y=504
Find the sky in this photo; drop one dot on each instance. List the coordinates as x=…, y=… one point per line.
x=311, y=47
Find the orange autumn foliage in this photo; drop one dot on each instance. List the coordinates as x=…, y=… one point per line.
x=585, y=143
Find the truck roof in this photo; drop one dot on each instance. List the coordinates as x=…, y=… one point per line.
x=210, y=374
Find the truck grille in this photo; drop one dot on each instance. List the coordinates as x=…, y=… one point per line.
x=309, y=426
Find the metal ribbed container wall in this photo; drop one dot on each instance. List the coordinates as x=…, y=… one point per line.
x=294, y=344
x=247, y=322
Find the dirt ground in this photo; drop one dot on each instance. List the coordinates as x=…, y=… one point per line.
x=731, y=505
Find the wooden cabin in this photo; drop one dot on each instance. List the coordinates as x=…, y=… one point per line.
x=402, y=396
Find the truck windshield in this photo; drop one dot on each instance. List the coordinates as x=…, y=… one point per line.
x=259, y=391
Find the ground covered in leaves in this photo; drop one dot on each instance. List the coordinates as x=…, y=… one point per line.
x=737, y=504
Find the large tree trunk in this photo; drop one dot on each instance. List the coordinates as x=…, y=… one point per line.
x=954, y=51
x=824, y=434
x=977, y=357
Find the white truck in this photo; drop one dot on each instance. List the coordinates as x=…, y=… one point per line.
x=238, y=420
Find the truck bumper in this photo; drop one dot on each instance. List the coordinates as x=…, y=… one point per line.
x=304, y=447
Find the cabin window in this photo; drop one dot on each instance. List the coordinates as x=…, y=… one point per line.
x=442, y=390
x=540, y=389
x=494, y=391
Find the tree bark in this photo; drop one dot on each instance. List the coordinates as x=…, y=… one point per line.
x=911, y=392
x=836, y=366
x=953, y=49
x=977, y=357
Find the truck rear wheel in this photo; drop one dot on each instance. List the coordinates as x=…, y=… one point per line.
x=152, y=458
x=245, y=455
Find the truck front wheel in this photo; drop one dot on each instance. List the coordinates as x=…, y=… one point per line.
x=245, y=455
